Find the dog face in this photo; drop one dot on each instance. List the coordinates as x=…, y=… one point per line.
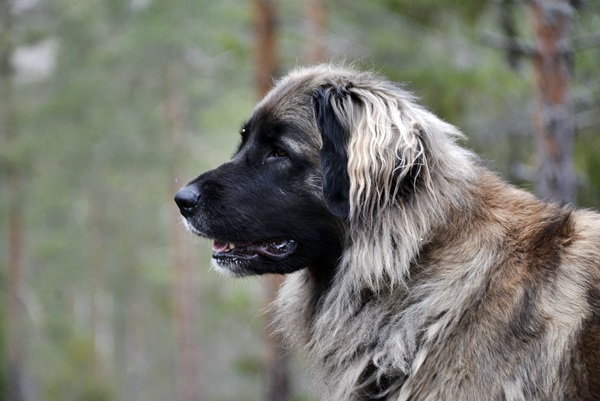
x=265, y=208
x=307, y=174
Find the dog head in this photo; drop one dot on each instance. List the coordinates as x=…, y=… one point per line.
x=264, y=208
x=327, y=147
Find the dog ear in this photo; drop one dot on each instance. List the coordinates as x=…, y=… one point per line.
x=373, y=135
x=334, y=151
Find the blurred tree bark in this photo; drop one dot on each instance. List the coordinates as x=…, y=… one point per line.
x=265, y=27
x=316, y=17
x=267, y=64
x=554, y=127
x=14, y=192
x=187, y=355
x=277, y=358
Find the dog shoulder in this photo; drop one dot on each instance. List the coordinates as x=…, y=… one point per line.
x=585, y=264
x=557, y=249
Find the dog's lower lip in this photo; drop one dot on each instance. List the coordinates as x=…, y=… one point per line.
x=272, y=249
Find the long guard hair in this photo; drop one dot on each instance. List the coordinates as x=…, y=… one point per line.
x=453, y=285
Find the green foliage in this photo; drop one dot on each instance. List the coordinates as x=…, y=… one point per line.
x=98, y=166
x=588, y=165
x=303, y=398
x=250, y=365
x=79, y=380
x=430, y=11
x=3, y=345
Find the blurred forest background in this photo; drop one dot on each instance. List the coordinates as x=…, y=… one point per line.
x=107, y=107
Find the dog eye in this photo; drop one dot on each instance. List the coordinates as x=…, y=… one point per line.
x=279, y=152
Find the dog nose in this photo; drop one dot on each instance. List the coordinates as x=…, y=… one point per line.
x=187, y=199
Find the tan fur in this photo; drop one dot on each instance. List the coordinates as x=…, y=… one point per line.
x=469, y=290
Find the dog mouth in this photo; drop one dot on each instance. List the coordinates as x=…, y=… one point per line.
x=276, y=250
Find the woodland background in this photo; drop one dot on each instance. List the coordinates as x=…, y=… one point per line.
x=107, y=107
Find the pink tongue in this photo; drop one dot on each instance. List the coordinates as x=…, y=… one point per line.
x=220, y=246
x=274, y=249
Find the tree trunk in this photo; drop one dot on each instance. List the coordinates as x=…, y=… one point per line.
x=554, y=128
x=14, y=191
x=265, y=26
x=187, y=355
x=316, y=20
x=16, y=331
x=276, y=359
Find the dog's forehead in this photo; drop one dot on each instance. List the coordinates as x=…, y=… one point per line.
x=285, y=116
x=287, y=100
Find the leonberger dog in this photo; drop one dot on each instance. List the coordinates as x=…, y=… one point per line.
x=413, y=271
